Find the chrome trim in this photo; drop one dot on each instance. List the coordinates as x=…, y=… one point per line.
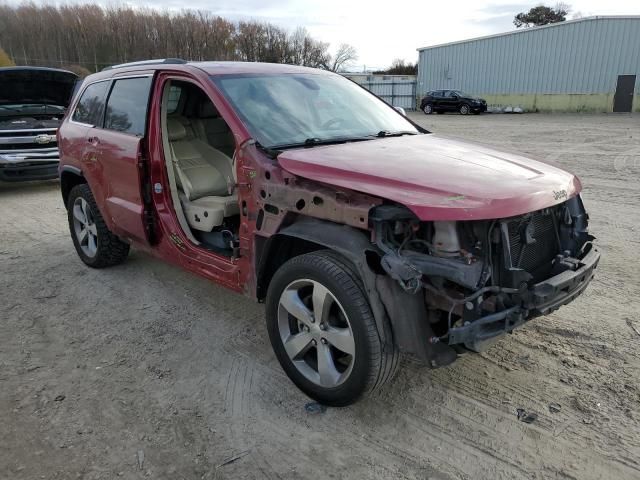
x=29, y=150
x=29, y=130
x=75, y=122
x=125, y=76
x=29, y=139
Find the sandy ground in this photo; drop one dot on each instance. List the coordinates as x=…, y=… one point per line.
x=145, y=371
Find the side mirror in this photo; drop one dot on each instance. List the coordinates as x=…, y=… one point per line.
x=401, y=110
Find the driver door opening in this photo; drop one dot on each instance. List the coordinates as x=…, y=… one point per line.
x=199, y=150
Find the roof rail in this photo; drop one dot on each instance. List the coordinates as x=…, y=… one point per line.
x=148, y=62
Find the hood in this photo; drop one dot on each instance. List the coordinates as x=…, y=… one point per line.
x=435, y=177
x=32, y=85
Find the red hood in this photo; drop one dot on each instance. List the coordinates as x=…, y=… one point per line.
x=437, y=178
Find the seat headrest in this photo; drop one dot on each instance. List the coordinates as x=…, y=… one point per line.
x=207, y=110
x=175, y=129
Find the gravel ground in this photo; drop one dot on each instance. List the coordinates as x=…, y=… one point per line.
x=145, y=371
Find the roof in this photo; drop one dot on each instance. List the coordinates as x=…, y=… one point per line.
x=209, y=68
x=230, y=68
x=533, y=29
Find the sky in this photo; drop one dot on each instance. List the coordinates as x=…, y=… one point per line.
x=382, y=31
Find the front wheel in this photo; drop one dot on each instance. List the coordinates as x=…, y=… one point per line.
x=428, y=109
x=323, y=332
x=95, y=244
x=464, y=109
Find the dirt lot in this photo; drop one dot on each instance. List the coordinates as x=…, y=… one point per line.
x=144, y=371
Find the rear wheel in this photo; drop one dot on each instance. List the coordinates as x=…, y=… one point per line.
x=323, y=332
x=464, y=109
x=428, y=109
x=95, y=244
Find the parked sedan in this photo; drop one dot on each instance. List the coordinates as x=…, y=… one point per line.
x=441, y=101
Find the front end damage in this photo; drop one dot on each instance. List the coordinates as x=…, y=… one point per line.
x=465, y=283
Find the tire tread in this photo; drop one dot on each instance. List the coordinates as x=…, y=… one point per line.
x=111, y=250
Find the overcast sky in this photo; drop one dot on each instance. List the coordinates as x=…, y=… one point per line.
x=387, y=29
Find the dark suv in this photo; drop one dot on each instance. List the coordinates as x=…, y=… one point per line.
x=364, y=234
x=441, y=101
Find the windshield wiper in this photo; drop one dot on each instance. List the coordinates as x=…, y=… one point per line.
x=314, y=142
x=387, y=133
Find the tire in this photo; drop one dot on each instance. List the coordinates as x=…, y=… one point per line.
x=427, y=109
x=464, y=109
x=82, y=211
x=335, y=282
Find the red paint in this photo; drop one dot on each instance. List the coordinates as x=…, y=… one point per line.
x=437, y=178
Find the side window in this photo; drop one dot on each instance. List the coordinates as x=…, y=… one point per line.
x=91, y=105
x=127, y=106
x=174, y=98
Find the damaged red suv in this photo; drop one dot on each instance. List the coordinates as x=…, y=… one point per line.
x=365, y=235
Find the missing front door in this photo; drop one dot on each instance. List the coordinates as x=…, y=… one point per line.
x=623, y=99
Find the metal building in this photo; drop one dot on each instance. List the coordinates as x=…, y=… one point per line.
x=587, y=65
x=396, y=90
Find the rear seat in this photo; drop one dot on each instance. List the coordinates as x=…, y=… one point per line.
x=204, y=176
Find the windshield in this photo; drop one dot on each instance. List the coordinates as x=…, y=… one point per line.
x=460, y=93
x=286, y=110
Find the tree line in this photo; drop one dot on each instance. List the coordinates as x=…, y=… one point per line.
x=93, y=37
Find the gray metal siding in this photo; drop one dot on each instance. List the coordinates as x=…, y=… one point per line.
x=575, y=57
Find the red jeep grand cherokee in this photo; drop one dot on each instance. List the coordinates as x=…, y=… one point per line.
x=365, y=235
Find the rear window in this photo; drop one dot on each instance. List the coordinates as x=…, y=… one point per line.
x=127, y=106
x=91, y=105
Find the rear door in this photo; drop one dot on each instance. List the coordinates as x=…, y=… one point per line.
x=119, y=150
x=75, y=135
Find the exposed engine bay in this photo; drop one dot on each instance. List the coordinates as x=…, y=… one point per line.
x=30, y=122
x=482, y=278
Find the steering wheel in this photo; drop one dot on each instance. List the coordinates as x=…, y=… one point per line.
x=332, y=124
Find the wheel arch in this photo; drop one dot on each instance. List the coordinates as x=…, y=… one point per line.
x=308, y=235
x=400, y=317
x=70, y=177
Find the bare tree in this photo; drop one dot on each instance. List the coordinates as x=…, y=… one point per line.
x=93, y=37
x=344, y=56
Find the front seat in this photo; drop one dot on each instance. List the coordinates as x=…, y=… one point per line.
x=204, y=177
x=211, y=127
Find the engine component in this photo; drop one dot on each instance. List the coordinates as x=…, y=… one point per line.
x=445, y=239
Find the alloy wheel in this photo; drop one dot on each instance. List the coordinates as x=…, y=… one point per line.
x=316, y=333
x=84, y=227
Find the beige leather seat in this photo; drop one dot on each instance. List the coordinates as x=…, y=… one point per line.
x=204, y=177
x=210, y=127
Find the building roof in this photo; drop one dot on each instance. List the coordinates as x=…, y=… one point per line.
x=532, y=29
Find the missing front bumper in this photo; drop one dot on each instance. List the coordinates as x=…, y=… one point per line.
x=541, y=299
